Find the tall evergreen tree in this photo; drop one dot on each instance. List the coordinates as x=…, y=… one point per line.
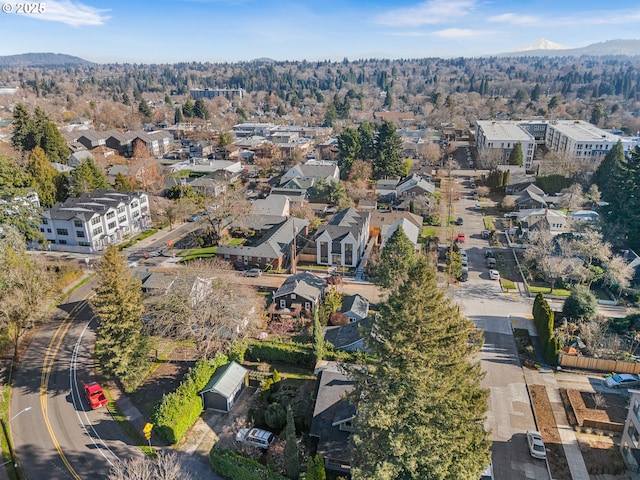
x=43, y=176
x=53, y=143
x=122, y=347
x=187, y=108
x=87, y=177
x=144, y=109
x=348, y=150
x=178, y=117
x=200, y=110
x=122, y=183
x=291, y=458
x=367, y=136
x=388, y=161
x=396, y=259
x=315, y=468
x=22, y=137
x=515, y=157
x=420, y=405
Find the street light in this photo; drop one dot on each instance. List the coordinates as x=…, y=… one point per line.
x=26, y=409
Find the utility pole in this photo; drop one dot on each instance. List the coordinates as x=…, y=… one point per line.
x=293, y=253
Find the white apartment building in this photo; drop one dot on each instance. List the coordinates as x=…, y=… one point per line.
x=582, y=140
x=89, y=223
x=630, y=441
x=502, y=137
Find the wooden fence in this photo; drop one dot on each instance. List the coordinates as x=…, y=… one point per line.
x=598, y=364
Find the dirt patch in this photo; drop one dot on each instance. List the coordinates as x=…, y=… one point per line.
x=547, y=426
x=601, y=453
x=164, y=379
x=598, y=407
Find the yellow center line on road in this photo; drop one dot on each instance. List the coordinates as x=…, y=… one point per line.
x=47, y=366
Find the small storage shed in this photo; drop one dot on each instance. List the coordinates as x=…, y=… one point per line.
x=225, y=387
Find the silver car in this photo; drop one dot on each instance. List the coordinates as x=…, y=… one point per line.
x=536, y=445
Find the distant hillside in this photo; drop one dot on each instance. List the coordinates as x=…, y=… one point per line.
x=41, y=60
x=608, y=48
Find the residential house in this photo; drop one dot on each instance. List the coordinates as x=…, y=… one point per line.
x=201, y=149
x=77, y=158
x=91, y=139
x=156, y=283
x=414, y=192
x=553, y=221
x=342, y=241
x=279, y=205
x=530, y=198
x=92, y=221
x=208, y=185
x=368, y=205
x=332, y=422
x=383, y=220
x=274, y=247
x=410, y=229
x=386, y=189
x=225, y=387
x=346, y=337
x=355, y=307
x=300, y=293
x=312, y=170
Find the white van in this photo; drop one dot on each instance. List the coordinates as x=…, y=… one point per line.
x=256, y=437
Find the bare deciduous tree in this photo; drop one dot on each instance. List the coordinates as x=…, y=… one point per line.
x=206, y=304
x=165, y=467
x=224, y=209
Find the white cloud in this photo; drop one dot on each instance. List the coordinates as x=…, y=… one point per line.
x=430, y=12
x=71, y=13
x=515, y=19
x=454, y=33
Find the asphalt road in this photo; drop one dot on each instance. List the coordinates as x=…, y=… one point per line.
x=55, y=433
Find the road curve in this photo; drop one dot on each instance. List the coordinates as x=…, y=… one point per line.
x=55, y=434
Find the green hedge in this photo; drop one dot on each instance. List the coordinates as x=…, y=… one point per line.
x=178, y=410
x=232, y=466
x=291, y=353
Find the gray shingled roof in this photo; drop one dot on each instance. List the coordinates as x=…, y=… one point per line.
x=344, y=222
x=87, y=205
x=356, y=306
x=305, y=284
x=345, y=335
x=225, y=380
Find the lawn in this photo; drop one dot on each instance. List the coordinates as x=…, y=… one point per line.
x=428, y=232
x=561, y=292
x=207, y=252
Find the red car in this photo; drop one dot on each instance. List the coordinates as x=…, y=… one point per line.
x=461, y=237
x=95, y=395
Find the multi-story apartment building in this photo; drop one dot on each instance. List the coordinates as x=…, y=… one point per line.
x=501, y=137
x=228, y=93
x=582, y=140
x=92, y=221
x=630, y=441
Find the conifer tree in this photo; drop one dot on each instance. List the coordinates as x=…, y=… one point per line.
x=87, y=177
x=187, y=108
x=388, y=160
x=122, y=183
x=291, y=458
x=515, y=157
x=43, y=176
x=122, y=346
x=315, y=468
x=420, y=405
x=178, y=117
x=22, y=138
x=318, y=337
x=397, y=257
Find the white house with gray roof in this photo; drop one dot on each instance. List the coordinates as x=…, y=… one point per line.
x=300, y=292
x=344, y=239
x=313, y=170
x=94, y=220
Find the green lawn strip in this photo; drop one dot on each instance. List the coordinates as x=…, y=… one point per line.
x=207, y=252
x=128, y=428
x=508, y=284
x=428, y=232
x=66, y=294
x=285, y=371
x=4, y=414
x=561, y=292
x=137, y=238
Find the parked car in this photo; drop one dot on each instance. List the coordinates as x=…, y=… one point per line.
x=464, y=276
x=252, y=272
x=463, y=254
x=491, y=262
x=536, y=445
x=461, y=238
x=622, y=380
x=459, y=221
x=488, y=473
x=494, y=275
x=488, y=253
x=194, y=218
x=478, y=206
x=95, y=395
x=256, y=437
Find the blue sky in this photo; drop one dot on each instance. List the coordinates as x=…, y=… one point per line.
x=163, y=31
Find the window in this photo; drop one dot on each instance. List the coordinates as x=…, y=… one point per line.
x=110, y=215
x=95, y=220
x=134, y=204
x=135, y=214
x=122, y=219
x=111, y=225
x=62, y=242
x=283, y=303
x=634, y=435
x=45, y=221
x=143, y=200
x=62, y=231
x=48, y=230
x=84, y=244
x=144, y=209
x=42, y=230
x=97, y=231
x=293, y=296
x=121, y=209
x=307, y=305
x=80, y=234
x=77, y=223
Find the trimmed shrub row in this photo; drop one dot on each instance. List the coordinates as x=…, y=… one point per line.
x=290, y=353
x=543, y=318
x=232, y=466
x=178, y=410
